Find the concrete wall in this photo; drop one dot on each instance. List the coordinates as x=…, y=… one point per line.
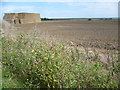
x=22, y=18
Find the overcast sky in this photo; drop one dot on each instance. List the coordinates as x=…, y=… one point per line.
x=62, y=8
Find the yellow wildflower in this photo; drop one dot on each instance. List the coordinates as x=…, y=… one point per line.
x=55, y=80
x=68, y=62
x=55, y=65
x=4, y=62
x=51, y=69
x=45, y=58
x=67, y=56
x=34, y=65
x=33, y=50
x=94, y=69
x=43, y=70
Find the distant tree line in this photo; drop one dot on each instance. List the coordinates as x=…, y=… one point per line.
x=89, y=19
x=105, y=18
x=45, y=19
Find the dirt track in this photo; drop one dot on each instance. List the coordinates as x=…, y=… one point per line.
x=96, y=33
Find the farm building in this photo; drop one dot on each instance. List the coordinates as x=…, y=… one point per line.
x=22, y=18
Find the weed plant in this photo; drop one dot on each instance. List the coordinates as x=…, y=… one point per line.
x=38, y=64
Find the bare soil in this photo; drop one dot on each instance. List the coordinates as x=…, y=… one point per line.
x=95, y=33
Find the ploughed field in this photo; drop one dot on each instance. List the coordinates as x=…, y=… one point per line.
x=95, y=33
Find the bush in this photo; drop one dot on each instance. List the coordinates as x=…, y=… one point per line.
x=89, y=19
x=52, y=65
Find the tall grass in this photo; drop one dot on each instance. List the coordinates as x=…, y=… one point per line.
x=38, y=64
